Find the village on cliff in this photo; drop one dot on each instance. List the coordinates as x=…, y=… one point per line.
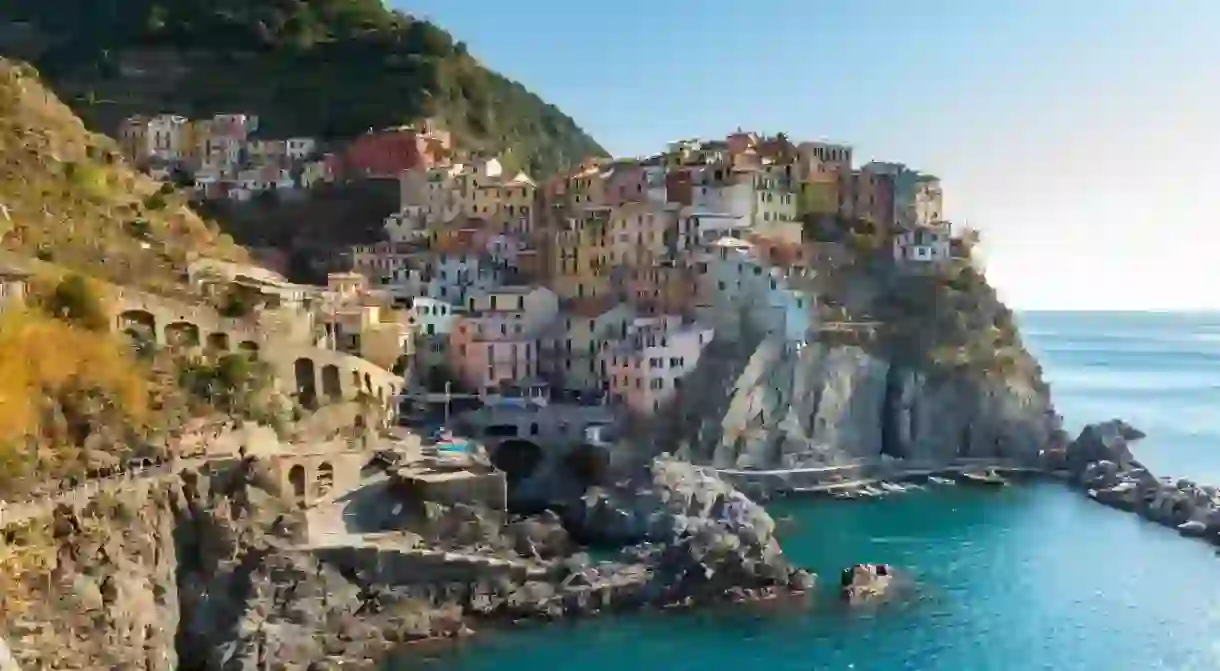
x=600, y=286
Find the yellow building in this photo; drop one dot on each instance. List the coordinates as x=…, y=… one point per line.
x=581, y=267
x=639, y=232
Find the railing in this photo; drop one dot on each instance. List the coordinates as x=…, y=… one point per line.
x=20, y=513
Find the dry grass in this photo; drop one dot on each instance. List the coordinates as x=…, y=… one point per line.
x=45, y=358
x=68, y=197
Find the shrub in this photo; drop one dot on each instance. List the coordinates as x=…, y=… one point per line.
x=76, y=300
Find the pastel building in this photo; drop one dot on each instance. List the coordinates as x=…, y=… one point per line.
x=640, y=232
x=369, y=331
x=645, y=369
x=497, y=342
x=736, y=289
x=571, y=348
x=581, y=263
x=457, y=277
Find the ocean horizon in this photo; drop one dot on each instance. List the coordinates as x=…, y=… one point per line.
x=1033, y=577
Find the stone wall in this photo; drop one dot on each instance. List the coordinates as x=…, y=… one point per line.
x=477, y=489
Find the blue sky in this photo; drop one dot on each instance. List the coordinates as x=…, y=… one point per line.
x=1082, y=137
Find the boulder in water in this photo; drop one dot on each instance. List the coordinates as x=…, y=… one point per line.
x=863, y=583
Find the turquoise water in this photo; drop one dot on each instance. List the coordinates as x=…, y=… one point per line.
x=1026, y=578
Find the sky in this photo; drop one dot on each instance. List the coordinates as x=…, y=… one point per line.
x=1081, y=137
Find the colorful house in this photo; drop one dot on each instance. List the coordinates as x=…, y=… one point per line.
x=645, y=369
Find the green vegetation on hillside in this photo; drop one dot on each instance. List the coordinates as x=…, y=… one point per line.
x=69, y=199
x=330, y=68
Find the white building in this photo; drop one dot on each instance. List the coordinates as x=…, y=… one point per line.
x=300, y=148
x=431, y=317
x=923, y=245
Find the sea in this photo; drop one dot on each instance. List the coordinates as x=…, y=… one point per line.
x=1020, y=579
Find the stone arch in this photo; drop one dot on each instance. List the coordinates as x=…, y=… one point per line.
x=360, y=424
x=368, y=383
x=249, y=347
x=296, y=480
x=517, y=458
x=332, y=389
x=140, y=324
x=326, y=478
x=218, y=342
x=306, y=383
x=182, y=334
x=356, y=381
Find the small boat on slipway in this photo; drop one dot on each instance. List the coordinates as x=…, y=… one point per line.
x=988, y=478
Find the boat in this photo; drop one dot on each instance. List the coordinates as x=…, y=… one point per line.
x=988, y=478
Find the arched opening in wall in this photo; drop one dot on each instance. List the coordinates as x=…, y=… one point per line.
x=296, y=480
x=588, y=464
x=140, y=322
x=331, y=387
x=401, y=365
x=356, y=381
x=248, y=347
x=517, y=458
x=307, y=391
x=368, y=383
x=218, y=342
x=182, y=334
x=326, y=478
x=359, y=422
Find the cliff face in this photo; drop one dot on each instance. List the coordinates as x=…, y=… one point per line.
x=210, y=570
x=827, y=404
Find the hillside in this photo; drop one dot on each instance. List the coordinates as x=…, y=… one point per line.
x=328, y=68
x=69, y=198
x=74, y=397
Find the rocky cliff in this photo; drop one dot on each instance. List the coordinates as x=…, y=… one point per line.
x=212, y=570
x=830, y=404
x=939, y=373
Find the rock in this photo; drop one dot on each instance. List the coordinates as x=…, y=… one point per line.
x=1104, y=441
x=1193, y=529
x=801, y=580
x=866, y=582
x=1124, y=496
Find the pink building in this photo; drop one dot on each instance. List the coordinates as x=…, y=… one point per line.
x=646, y=368
x=497, y=341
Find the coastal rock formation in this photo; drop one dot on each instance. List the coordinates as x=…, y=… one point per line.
x=709, y=537
x=1100, y=461
x=825, y=404
x=211, y=570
